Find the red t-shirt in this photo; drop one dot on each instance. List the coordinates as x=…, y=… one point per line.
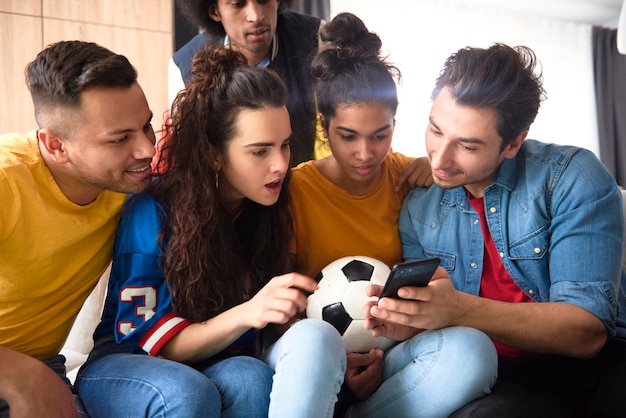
x=495, y=281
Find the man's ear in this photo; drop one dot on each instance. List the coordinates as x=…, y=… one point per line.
x=52, y=145
x=514, y=146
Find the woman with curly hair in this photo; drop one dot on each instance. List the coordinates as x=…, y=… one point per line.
x=199, y=269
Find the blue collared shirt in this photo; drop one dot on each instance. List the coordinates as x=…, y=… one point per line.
x=556, y=218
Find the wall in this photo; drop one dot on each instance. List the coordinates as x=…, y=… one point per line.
x=418, y=38
x=139, y=29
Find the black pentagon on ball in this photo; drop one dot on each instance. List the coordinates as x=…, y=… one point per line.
x=319, y=277
x=357, y=270
x=337, y=316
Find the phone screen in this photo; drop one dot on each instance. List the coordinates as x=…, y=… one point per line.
x=409, y=273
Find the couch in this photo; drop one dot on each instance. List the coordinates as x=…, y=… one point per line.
x=79, y=342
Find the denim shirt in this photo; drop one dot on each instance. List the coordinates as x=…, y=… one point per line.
x=556, y=218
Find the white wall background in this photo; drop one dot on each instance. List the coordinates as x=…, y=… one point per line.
x=418, y=36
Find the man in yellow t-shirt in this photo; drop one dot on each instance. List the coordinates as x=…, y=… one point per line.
x=61, y=191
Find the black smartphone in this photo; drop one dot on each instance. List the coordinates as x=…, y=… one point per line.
x=409, y=273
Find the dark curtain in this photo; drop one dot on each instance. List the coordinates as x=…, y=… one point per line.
x=610, y=84
x=183, y=30
x=319, y=8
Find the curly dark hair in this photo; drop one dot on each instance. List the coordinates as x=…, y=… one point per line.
x=212, y=263
x=196, y=12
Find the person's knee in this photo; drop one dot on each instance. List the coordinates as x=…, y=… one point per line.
x=257, y=372
x=475, y=355
x=465, y=352
x=459, y=342
x=473, y=346
x=244, y=383
x=315, y=334
x=310, y=339
x=247, y=376
x=185, y=395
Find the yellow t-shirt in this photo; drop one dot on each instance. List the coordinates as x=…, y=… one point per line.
x=322, y=149
x=330, y=223
x=52, y=251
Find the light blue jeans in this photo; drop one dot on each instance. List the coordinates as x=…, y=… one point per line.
x=136, y=385
x=432, y=375
x=309, y=361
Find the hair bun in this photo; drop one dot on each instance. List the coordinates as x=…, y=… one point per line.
x=348, y=36
x=349, y=67
x=212, y=61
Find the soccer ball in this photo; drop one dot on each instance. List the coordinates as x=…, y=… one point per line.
x=340, y=299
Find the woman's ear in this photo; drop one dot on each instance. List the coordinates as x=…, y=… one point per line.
x=52, y=145
x=215, y=159
x=324, y=126
x=214, y=13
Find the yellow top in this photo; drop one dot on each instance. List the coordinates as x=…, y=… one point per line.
x=322, y=149
x=52, y=251
x=330, y=223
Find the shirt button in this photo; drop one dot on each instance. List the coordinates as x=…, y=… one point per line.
x=501, y=255
x=475, y=221
x=492, y=209
x=537, y=250
x=474, y=265
x=531, y=292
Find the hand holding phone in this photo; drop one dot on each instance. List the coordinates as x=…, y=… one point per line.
x=409, y=273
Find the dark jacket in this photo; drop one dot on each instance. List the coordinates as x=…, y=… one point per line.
x=297, y=36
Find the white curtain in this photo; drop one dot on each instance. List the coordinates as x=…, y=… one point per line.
x=419, y=35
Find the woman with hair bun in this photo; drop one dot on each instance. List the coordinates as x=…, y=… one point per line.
x=199, y=269
x=349, y=204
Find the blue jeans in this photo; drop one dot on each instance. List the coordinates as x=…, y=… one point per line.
x=432, y=375
x=309, y=361
x=137, y=385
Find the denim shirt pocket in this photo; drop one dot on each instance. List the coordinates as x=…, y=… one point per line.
x=532, y=246
x=528, y=262
x=448, y=261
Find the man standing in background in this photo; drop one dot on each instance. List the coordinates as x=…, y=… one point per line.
x=268, y=35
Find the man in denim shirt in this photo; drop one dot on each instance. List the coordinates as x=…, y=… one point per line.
x=531, y=235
